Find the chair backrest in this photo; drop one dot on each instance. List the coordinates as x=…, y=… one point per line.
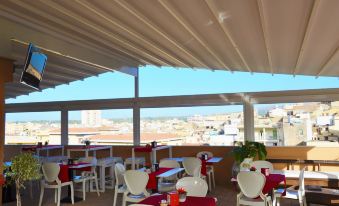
x=136, y=181
x=119, y=171
x=51, y=171
x=258, y=164
x=192, y=166
x=169, y=163
x=194, y=186
x=209, y=154
x=251, y=183
x=301, y=180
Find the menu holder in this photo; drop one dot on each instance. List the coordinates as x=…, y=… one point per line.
x=173, y=198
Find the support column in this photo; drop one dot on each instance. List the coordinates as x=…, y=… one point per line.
x=6, y=75
x=64, y=127
x=248, y=121
x=136, y=112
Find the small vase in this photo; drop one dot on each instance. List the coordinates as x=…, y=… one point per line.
x=182, y=197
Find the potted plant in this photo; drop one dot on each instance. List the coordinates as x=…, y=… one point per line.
x=244, y=154
x=24, y=168
x=182, y=194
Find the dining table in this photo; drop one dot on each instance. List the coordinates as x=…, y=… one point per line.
x=87, y=149
x=152, y=151
x=66, y=174
x=163, y=172
x=190, y=201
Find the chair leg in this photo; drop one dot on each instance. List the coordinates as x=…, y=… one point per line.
x=84, y=190
x=42, y=190
x=72, y=194
x=59, y=196
x=115, y=196
x=209, y=182
x=96, y=184
x=124, y=199
x=213, y=177
x=55, y=196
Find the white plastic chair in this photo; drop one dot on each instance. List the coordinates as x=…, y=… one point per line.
x=258, y=164
x=210, y=169
x=88, y=176
x=192, y=166
x=136, y=182
x=168, y=184
x=194, y=186
x=120, y=186
x=293, y=194
x=51, y=180
x=251, y=185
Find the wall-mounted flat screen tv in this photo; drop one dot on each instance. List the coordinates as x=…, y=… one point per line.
x=34, y=67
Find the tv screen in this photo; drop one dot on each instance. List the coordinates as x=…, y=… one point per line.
x=34, y=67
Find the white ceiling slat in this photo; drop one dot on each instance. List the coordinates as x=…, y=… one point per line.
x=135, y=34
x=307, y=34
x=264, y=29
x=226, y=32
x=169, y=7
x=65, y=36
x=128, y=7
x=154, y=59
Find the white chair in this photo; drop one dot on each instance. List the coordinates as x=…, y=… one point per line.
x=192, y=166
x=168, y=184
x=258, y=164
x=251, y=185
x=136, y=182
x=106, y=180
x=291, y=193
x=210, y=169
x=138, y=161
x=51, y=181
x=88, y=176
x=194, y=186
x=120, y=186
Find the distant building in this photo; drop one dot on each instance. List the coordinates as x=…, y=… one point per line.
x=91, y=118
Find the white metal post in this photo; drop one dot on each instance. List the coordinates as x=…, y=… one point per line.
x=248, y=121
x=64, y=127
x=136, y=112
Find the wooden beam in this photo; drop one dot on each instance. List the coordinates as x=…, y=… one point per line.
x=6, y=70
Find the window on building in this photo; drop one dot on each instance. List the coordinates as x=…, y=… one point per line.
x=101, y=127
x=297, y=124
x=203, y=125
x=33, y=127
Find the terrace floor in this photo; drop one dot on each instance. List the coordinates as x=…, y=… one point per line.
x=225, y=196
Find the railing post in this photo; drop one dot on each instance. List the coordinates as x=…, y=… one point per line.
x=64, y=127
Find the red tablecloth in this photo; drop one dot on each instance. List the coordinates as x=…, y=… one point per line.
x=190, y=201
x=64, y=171
x=152, y=181
x=273, y=181
x=204, y=164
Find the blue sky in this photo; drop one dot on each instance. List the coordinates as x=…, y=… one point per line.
x=166, y=81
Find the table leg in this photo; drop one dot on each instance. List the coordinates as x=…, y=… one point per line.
x=133, y=159
x=111, y=151
x=170, y=152
x=154, y=157
x=69, y=193
x=86, y=153
x=68, y=153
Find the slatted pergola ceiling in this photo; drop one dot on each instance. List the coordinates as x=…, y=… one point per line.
x=267, y=36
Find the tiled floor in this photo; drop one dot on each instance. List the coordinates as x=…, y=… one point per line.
x=225, y=196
